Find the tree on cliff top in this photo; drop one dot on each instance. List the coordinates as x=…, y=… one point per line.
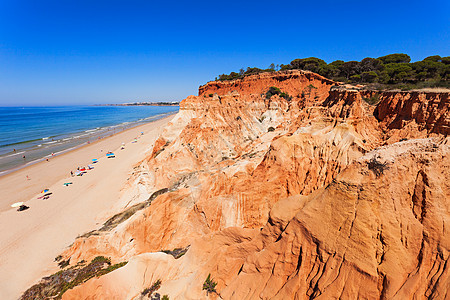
x=389, y=71
x=395, y=58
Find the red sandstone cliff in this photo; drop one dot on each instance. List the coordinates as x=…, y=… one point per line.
x=316, y=197
x=292, y=82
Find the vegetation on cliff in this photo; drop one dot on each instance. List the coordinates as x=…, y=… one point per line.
x=276, y=91
x=54, y=286
x=390, y=71
x=250, y=71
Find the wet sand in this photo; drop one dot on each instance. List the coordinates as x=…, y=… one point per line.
x=31, y=239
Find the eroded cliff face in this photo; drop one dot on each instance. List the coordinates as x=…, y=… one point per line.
x=293, y=82
x=420, y=112
x=317, y=196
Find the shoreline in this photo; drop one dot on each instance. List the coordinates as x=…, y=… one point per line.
x=30, y=168
x=95, y=137
x=31, y=239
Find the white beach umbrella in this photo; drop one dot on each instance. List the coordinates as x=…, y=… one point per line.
x=17, y=204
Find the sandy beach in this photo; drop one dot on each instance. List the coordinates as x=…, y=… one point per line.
x=31, y=239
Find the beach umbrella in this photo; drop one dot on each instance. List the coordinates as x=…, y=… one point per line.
x=17, y=204
x=45, y=191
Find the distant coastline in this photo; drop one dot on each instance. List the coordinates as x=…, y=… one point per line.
x=174, y=103
x=34, y=134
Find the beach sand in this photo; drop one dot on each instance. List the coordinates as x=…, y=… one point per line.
x=30, y=240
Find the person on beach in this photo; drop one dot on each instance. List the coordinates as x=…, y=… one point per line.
x=14, y=150
x=71, y=173
x=28, y=178
x=23, y=157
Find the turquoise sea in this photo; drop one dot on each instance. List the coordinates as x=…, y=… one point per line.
x=37, y=132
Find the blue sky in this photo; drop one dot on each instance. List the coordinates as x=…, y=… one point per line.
x=86, y=52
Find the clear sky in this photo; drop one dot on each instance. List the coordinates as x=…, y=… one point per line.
x=85, y=52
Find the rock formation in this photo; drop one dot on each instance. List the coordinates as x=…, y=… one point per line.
x=333, y=193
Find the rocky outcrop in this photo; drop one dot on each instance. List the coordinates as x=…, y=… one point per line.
x=314, y=196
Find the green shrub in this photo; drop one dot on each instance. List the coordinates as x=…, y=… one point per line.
x=155, y=286
x=102, y=259
x=286, y=96
x=276, y=91
x=272, y=91
x=64, y=263
x=209, y=285
x=372, y=100
x=110, y=269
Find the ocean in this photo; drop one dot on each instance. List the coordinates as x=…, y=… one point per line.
x=37, y=132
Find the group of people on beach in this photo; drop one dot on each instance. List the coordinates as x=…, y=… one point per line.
x=80, y=171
